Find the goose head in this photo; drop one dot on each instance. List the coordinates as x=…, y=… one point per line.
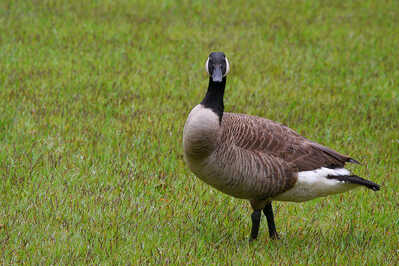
x=217, y=66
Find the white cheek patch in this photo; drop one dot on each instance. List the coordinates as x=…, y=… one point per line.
x=227, y=67
x=206, y=66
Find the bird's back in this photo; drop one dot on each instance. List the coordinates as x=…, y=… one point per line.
x=258, y=134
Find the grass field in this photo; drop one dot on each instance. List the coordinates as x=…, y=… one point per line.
x=94, y=96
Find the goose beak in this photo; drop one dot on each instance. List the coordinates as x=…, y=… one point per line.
x=217, y=75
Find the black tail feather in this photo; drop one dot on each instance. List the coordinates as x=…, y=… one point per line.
x=354, y=179
x=351, y=160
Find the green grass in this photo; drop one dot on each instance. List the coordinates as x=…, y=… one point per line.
x=94, y=96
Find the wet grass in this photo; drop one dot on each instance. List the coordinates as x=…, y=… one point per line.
x=94, y=96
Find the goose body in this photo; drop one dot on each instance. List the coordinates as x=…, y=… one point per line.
x=257, y=159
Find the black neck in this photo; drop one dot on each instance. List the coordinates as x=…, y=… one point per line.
x=214, y=97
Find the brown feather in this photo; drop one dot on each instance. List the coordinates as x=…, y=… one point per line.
x=280, y=150
x=250, y=157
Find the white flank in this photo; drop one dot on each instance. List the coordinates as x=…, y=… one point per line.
x=313, y=184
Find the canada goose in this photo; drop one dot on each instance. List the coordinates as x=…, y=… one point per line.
x=254, y=158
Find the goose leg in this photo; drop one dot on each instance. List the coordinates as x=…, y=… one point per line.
x=255, y=217
x=268, y=211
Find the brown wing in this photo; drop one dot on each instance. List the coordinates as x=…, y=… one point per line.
x=266, y=136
